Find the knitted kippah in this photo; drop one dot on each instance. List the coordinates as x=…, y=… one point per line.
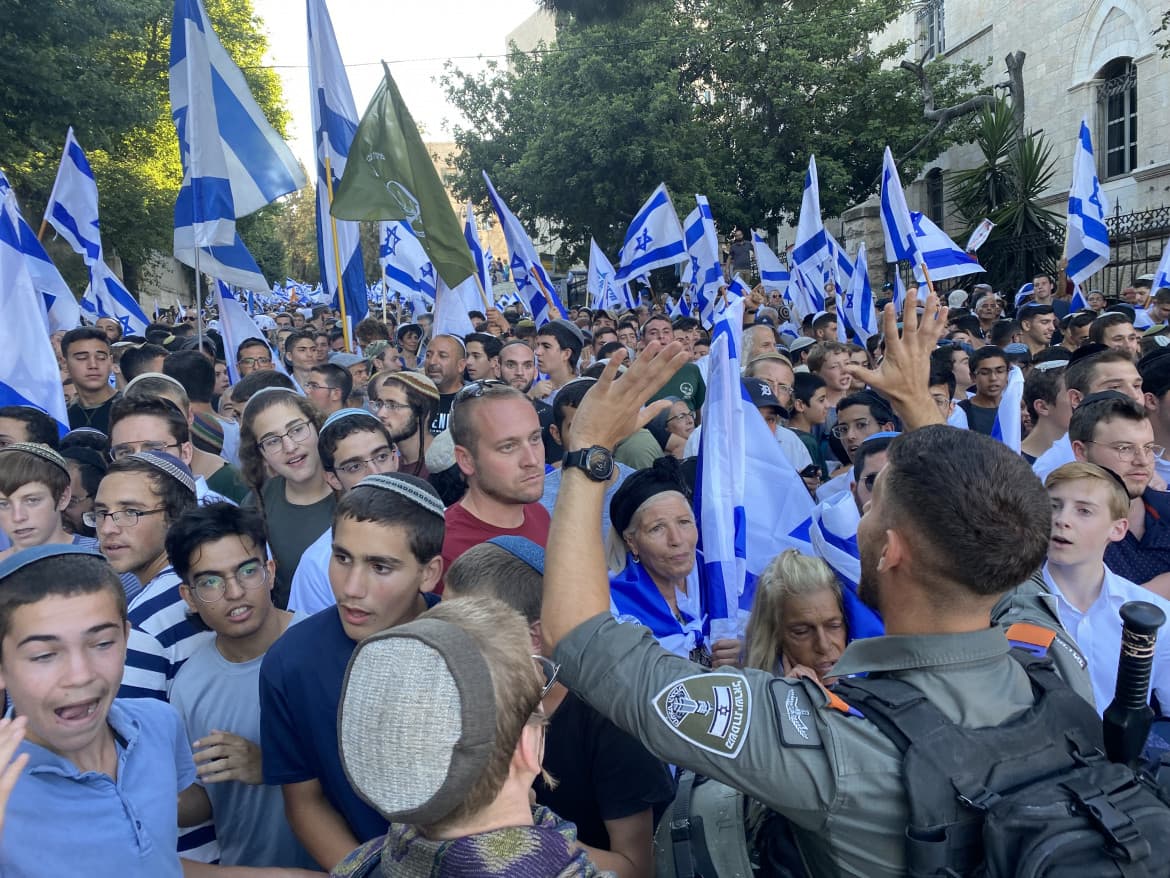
x=44, y=452
x=416, y=380
x=168, y=464
x=209, y=431
x=345, y=413
x=20, y=560
x=138, y=378
x=414, y=489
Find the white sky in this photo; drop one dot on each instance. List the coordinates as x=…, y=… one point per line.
x=369, y=32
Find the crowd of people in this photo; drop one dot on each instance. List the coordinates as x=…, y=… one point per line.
x=435, y=606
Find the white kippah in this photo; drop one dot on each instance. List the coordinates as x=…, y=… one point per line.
x=413, y=489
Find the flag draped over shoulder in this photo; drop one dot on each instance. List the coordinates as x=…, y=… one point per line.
x=392, y=177
x=1087, y=248
x=28, y=366
x=58, y=303
x=72, y=210
x=654, y=238
x=335, y=120
x=234, y=162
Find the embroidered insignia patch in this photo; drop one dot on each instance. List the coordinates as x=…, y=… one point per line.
x=711, y=711
x=794, y=713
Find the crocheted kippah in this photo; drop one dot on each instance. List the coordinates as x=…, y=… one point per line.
x=44, y=452
x=414, y=489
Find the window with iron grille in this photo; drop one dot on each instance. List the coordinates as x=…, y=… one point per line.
x=928, y=17
x=1117, y=99
x=935, y=202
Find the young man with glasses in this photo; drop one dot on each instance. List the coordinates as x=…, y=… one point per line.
x=989, y=369
x=405, y=403
x=1115, y=433
x=219, y=552
x=254, y=355
x=859, y=416
x=329, y=386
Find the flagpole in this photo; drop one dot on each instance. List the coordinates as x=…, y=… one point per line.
x=545, y=292
x=336, y=254
x=929, y=282
x=482, y=294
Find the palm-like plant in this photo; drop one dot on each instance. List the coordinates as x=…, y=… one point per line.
x=1016, y=170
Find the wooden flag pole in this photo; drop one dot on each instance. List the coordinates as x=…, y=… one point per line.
x=929, y=282
x=482, y=292
x=44, y=225
x=547, y=296
x=337, y=257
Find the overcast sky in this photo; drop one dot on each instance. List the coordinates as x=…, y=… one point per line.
x=369, y=32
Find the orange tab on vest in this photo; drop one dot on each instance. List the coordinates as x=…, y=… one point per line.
x=836, y=702
x=1035, y=635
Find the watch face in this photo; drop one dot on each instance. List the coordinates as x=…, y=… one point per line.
x=599, y=463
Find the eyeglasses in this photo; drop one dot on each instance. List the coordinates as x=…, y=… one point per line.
x=211, y=587
x=353, y=467
x=189, y=319
x=997, y=372
x=122, y=518
x=783, y=388
x=549, y=670
x=118, y=452
x=376, y=405
x=682, y=416
x=1127, y=451
x=476, y=389
x=298, y=433
x=254, y=361
x=842, y=430
x=313, y=385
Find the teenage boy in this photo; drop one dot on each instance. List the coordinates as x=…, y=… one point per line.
x=558, y=348
x=353, y=444
x=989, y=368
x=23, y=423
x=1047, y=403
x=387, y=539
x=34, y=491
x=116, y=775
x=219, y=552
x=88, y=361
x=300, y=350
x=828, y=359
x=1090, y=508
x=810, y=408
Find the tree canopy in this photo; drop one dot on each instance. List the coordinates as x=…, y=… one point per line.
x=722, y=97
x=102, y=66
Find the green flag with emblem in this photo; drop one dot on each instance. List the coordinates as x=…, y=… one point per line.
x=390, y=176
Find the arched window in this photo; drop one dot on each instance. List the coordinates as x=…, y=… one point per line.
x=1117, y=98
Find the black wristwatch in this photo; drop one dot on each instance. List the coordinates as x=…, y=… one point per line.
x=595, y=461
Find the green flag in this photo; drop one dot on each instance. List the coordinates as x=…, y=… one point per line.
x=390, y=176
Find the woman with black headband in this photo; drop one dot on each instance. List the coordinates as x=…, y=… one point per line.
x=653, y=576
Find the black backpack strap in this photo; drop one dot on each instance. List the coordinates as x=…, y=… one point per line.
x=680, y=826
x=900, y=710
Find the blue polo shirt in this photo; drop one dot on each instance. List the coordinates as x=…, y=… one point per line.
x=61, y=820
x=1141, y=560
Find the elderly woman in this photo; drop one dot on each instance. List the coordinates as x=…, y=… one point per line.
x=797, y=625
x=651, y=554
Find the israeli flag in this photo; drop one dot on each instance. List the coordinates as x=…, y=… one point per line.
x=654, y=239
x=406, y=268
x=482, y=261
x=235, y=325
x=810, y=251
x=58, y=303
x=680, y=307
x=234, y=163
x=1087, y=247
x=335, y=120
x=107, y=297
x=604, y=292
x=899, y=294
x=741, y=467
x=834, y=538
x=838, y=269
x=805, y=296
x=856, y=315
x=702, y=269
x=773, y=274
x=943, y=257
x=1008, y=426
x=1078, y=302
x=532, y=281
x=901, y=241
x=1162, y=275
x=28, y=366
x=450, y=312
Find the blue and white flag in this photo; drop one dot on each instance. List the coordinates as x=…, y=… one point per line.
x=838, y=268
x=1008, y=426
x=335, y=120
x=28, y=367
x=943, y=257
x=1087, y=247
x=834, y=537
x=702, y=269
x=450, y=311
x=741, y=467
x=482, y=261
x=805, y=296
x=406, y=269
x=236, y=326
x=856, y=315
x=58, y=303
x=679, y=307
x=532, y=281
x=653, y=240
x=1078, y=302
x=1162, y=275
x=234, y=163
x=901, y=241
x=773, y=274
x=604, y=292
x=810, y=250
x=72, y=210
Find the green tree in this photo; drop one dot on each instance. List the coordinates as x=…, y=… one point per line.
x=722, y=97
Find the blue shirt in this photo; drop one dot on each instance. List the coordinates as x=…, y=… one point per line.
x=1141, y=560
x=61, y=821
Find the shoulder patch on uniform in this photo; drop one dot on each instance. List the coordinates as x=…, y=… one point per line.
x=794, y=713
x=711, y=711
x=1035, y=635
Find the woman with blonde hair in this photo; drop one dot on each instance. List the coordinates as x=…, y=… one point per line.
x=797, y=626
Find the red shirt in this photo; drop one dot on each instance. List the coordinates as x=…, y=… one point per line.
x=464, y=530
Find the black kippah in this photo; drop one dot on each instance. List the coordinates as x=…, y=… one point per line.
x=664, y=475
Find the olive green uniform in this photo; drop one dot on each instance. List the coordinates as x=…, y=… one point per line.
x=786, y=742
